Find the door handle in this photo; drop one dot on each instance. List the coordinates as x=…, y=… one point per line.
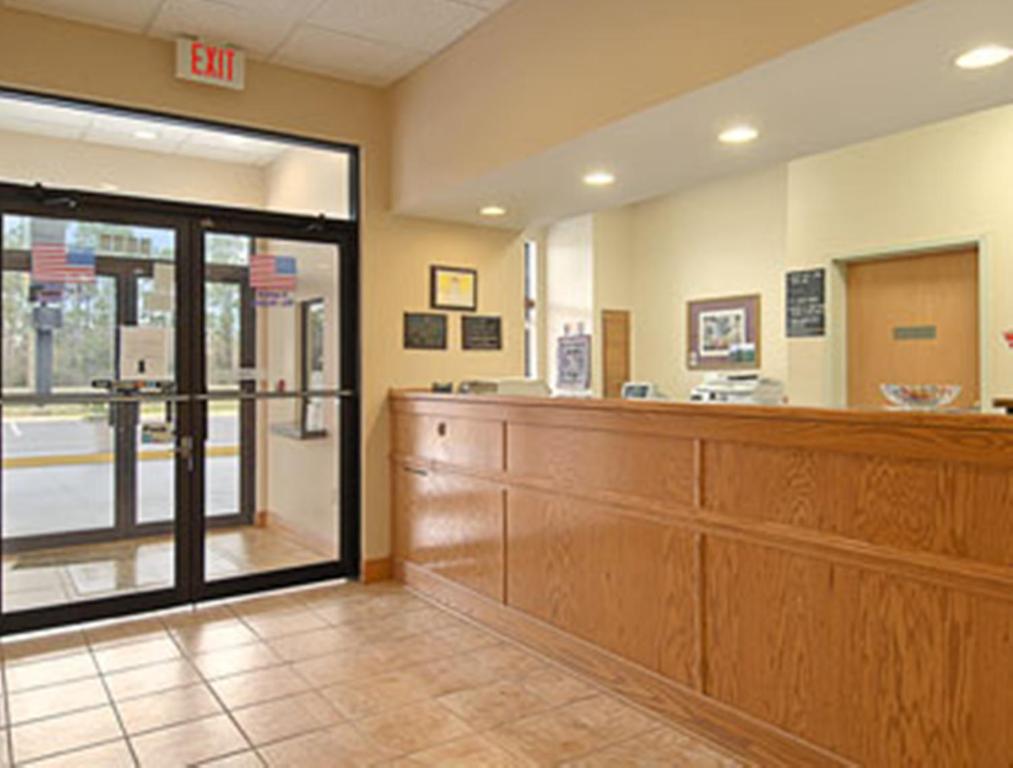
x=416, y=472
x=185, y=451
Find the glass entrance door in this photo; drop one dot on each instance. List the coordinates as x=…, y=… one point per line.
x=90, y=405
x=178, y=401
x=275, y=385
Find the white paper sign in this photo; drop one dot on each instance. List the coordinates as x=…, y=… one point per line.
x=158, y=302
x=165, y=278
x=144, y=353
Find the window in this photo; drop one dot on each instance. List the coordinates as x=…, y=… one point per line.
x=63, y=144
x=531, y=310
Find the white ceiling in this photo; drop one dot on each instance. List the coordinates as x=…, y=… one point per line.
x=892, y=74
x=368, y=41
x=43, y=119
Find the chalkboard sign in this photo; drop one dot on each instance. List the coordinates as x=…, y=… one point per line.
x=425, y=331
x=806, y=303
x=481, y=332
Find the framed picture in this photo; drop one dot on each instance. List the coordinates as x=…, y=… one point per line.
x=481, y=333
x=425, y=331
x=724, y=333
x=454, y=288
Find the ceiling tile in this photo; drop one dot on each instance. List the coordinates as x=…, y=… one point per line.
x=131, y=15
x=257, y=26
x=30, y=109
x=229, y=147
x=18, y=115
x=422, y=25
x=124, y=132
x=16, y=124
x=320, y=50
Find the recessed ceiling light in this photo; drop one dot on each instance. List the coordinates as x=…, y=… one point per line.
x=738, y=134
x=599, y=179
x=493, y=211
x=145, y=135
x=984, y=56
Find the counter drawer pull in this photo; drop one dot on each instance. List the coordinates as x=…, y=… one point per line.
x=441, y=429
x=418, y=472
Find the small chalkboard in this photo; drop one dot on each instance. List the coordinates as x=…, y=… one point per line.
x=425, y=331
x=806, y=303
x=481, y=333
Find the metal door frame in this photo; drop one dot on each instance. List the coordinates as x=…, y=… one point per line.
x=191, y=222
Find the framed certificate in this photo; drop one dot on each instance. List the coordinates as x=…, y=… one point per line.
x=454, y=288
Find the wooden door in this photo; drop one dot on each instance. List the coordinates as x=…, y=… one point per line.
x=615, y=324
x=913, y=320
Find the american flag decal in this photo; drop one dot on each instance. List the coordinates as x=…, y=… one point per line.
x=272, y=273
x=56, y=263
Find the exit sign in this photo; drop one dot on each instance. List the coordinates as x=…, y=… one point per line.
x=210, y=63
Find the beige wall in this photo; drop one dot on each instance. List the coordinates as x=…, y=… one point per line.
x=612, y=239
x=576, y=65
x=723, y=239
x=943, y=184
x=64, y=162
x=569, y=284
x=43, y=54
x=948, y=183
x=402, y=285
x=316, y=180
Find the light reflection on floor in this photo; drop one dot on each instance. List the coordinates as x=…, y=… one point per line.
x=93, y=571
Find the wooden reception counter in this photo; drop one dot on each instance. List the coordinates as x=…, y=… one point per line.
x=811, y=587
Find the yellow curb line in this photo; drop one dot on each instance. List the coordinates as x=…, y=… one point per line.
x=28, y=462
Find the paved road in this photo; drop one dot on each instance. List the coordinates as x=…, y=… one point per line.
x=48, y=437
x=79, y=497
x=74, y=497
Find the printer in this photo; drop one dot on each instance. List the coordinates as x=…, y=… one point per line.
x=738, y=388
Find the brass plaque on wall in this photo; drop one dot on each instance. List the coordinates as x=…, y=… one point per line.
x=914, y=333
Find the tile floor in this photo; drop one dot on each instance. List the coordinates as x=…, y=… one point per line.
x=342, y=675
x=88, y=572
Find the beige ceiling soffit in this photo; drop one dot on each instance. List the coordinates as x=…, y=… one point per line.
x=541, y=72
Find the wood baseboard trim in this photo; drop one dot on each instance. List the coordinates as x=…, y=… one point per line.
x=716, y=722
x=380, y=569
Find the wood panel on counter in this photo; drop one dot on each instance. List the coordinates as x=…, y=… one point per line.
x=883, y=671
x=917, y=505
x=452, y=524
x=626, y=584
x=820, y=585
x=651, y=467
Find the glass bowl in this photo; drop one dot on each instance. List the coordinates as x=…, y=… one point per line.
x=921, y=396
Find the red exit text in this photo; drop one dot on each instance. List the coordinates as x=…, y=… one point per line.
x=210, y=63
